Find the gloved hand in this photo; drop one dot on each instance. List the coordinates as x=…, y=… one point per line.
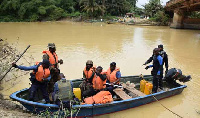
x=14, y=65
x=145, y=63
x=60, y=61
x=147, y=67
x=98, y=74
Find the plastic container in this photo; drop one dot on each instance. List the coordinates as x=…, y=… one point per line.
x=142, y=85
x=77, y=93
x=148, y=88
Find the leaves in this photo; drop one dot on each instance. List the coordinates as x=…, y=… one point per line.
x=41, y=10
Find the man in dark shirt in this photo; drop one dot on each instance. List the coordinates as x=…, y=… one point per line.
x=157, y=70
x=176, y=74
x=39, y=78
x=163, y=54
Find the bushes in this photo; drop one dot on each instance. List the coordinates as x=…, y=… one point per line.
x=56, y=14
x=109, y=17
x=160, y=17
x=195, y=14
x=31, y=10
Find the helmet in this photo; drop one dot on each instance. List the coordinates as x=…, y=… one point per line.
x=89, y=62
x=51, y=45
x=113, y=64
x=160, y=46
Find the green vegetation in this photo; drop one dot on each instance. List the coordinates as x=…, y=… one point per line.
x=195, y=14
x=48, y=10
x=51, y=10
x=155, y=11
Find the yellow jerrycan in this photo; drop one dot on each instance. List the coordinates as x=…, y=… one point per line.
x=77, y=93
x=148, y=88
x=142, y=85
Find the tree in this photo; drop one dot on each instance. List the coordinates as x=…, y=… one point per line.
x=133, y=3
x=92, y=7
x=117, y=7
x=152, y=7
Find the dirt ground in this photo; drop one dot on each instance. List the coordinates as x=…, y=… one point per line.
x=9, y=109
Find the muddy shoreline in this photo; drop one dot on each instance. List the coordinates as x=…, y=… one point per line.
x=11, y=109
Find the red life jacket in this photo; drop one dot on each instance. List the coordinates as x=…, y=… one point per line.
x=41, y=73
x=111, y=76
x=53, y=58
x=98, y=83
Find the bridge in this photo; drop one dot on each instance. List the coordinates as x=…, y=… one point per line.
x=181, y=9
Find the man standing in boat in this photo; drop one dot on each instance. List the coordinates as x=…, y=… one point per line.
x=88, y=75
x=157, y=70
x=113, y=76
x=164, y=55
x=52, y=56
x=53, y=59
x=39, y=78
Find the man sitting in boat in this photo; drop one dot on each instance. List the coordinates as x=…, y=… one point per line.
x=39, y=78
x=113, y=76
x=52, y=56
x=157, y=70
x=88, y=75
x=98, y=83
x=174, y=74
x=63, y=92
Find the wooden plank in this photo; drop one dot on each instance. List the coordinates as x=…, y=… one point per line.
x=121, y=94
x=133, y=90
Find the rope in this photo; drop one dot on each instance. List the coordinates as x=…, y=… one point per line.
x=77, y=112
x=166, y=107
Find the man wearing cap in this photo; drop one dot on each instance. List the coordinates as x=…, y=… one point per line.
x=52, y=56
x=164, y=55
x=39, y=78
x=88, y=75
x=157, y=70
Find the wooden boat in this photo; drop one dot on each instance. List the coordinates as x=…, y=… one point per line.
x=100, y=109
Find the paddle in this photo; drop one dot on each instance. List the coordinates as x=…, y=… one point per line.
x=15, y=62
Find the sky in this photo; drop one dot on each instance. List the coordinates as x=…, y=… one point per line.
x=142, y=2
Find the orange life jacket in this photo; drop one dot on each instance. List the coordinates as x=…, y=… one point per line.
x=111, y=76
x=41, y=73
x=102, y=97
x=53, y=58
x=98, y=83
x=89, y=73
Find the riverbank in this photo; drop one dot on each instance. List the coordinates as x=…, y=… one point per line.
x=10, y=109
x=127, y=21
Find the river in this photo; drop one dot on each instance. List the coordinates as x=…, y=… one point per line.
x=128, y=46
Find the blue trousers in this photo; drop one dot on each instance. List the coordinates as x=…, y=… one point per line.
x=34, y=87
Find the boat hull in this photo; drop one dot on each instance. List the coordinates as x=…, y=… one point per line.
x=99, y=109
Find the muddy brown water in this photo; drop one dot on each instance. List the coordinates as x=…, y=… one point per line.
x=128, y=46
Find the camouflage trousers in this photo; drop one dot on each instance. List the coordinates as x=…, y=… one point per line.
x=85, y=89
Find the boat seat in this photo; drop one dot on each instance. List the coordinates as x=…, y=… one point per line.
x=121, y=94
